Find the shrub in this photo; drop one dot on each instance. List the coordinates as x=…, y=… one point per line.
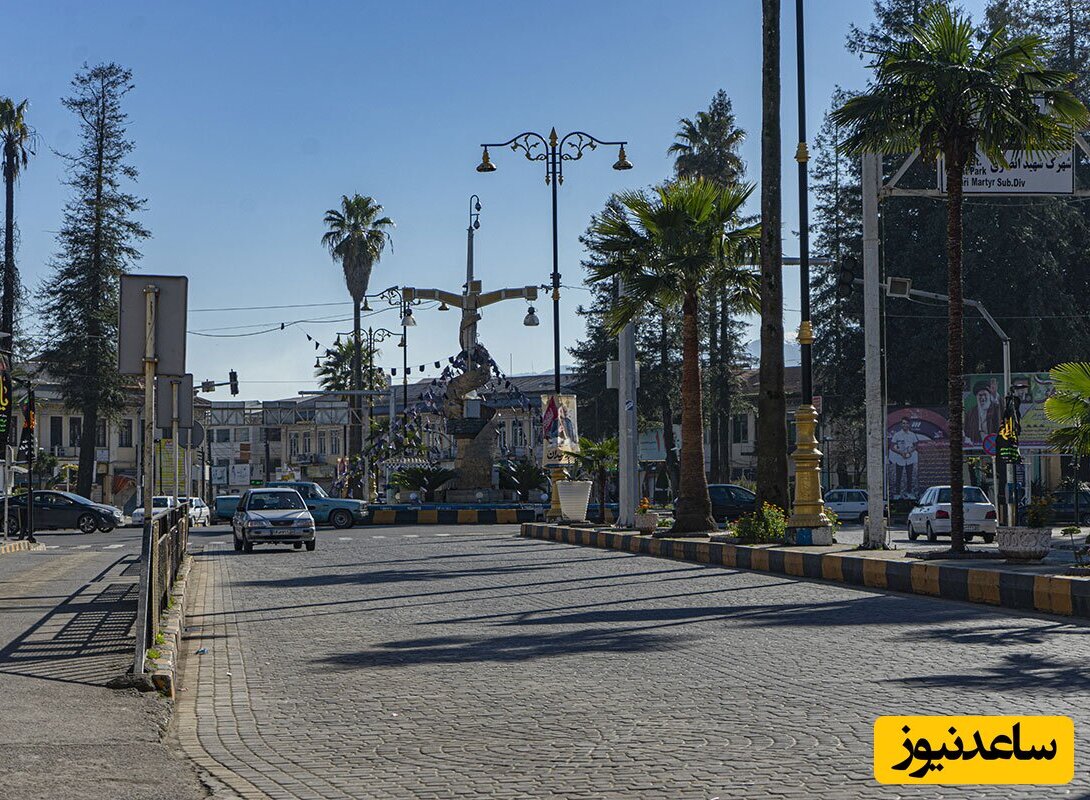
x=1039, y=512
x=767, y=524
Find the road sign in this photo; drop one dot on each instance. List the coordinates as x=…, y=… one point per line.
x=164, y=399
x=170, y=324
x=1025, y=173
x=990, y=444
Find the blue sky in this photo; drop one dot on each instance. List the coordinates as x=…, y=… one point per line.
x=252, y=118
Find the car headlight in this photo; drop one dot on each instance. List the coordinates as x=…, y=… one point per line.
x=304, y=523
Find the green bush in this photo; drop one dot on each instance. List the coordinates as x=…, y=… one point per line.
x=767, y=524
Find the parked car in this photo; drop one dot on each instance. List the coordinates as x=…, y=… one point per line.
x=272, y=516
x=223, y=508
x=336, y=511
x=931, y=514
x=59, y=510
x=847, y=504
x=199, y=513
x=1063, y=506
x=729, y=501
x=158, y=503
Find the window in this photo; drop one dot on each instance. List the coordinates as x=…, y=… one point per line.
x=223, y=435
x=501, y=437
x=56, y=431
x=242, y=434
x=223, y=463
x=124, y=433
x=334, y=443
x=306, y=442
x=833, y=497
x=970, y=494
x=518, y=435
x=321, y=443
x=741, y=428
x=272, y=434
x=293, y=445
x=75, y=431
x=100, y=433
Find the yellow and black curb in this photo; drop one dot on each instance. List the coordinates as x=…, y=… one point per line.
x=19, y=546
x=1052, y=594
x=450, y=516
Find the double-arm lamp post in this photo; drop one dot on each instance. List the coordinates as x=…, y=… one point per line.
x=554, y=151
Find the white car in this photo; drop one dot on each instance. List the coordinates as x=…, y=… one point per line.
x=931, y=516
x=849, y=505
x=272, y=516
x=159, y=503
x=199, y=513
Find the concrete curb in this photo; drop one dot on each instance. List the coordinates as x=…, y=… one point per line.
x=1050, y=594
x=164, y=670
x=449, y=516
x=19, y=546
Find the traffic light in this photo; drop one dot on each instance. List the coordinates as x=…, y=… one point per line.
x=846, y=279
x=233, y=378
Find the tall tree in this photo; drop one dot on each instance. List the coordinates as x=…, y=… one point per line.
x=96, y=245
x=771, y=398
x=18, y=142
x=334, y=372
x=943, y=92
x=356, y=234
x=665, y=246
x=707, y=146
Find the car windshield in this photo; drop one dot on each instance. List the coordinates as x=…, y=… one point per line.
x=970, y=494
x=160, y=502
x=275, y=501
x=75, y=498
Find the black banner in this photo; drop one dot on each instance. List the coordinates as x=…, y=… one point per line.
x=5, y=404
x=26, y=441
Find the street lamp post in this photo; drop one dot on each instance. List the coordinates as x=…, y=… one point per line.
x=808, y=524
x=554, y=151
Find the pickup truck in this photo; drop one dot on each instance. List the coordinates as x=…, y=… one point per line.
x=326, y=510
x=223, y=508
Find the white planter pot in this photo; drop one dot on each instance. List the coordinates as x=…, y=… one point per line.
x=1024, y=544
x=647, y=523
x=574, y=498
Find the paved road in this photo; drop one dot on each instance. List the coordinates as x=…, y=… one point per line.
x=441, y=662
x=65, y=619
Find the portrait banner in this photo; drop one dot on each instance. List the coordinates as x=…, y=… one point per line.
x=559, y=430
x=917, y=450
x=983, y=409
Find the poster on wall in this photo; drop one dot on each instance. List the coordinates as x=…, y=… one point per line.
x=219, y=476
x=559, y=429
x=917, y=450
x=983, y=404
x=240, y=474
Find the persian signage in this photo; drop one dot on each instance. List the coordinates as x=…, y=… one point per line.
x=1025, y=173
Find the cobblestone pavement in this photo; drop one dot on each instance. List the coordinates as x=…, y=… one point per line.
x=433, y=662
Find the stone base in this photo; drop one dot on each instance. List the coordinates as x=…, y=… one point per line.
x=469, y=496
x=821, y=536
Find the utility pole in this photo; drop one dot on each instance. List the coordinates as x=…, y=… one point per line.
x=628, y=441
x=872, y=355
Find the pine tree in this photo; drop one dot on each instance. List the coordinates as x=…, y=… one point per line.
x=96, y=244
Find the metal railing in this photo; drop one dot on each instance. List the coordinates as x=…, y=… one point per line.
x=165, y=551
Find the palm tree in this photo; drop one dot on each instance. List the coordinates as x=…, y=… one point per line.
x=943, y=92
x=334, y=372
x=666, y=247
x=771, y=398
x=707, y=145
x=1069, y=407
x=356, y=234
x=598, y=459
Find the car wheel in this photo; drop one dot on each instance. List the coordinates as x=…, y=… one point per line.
x=863, y=518
x=968, y=537
x=311, y=545
x=247, y=547
x=13, y=526
x=912, y=532
x=105, y=528
x=989, y=538
x=87, y=523
x=297, y=545
x=238, y=545
x=339, y=518
x=1085, y=520
x=931, y=535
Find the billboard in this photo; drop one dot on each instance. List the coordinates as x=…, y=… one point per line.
x=983, y=404
x=560, y=429
x=917, y=450
x=1025, y=173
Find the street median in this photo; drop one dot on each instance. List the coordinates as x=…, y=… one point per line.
x=20, y=546
x=876, y=569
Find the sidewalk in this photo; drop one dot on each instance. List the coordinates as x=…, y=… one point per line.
x=1040, y=587
x=65, y=630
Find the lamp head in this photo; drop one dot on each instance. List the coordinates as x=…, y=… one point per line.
x=531, y=320
x=486, y=164
x=476, y=224
x=317, y=363
x=366, y=305
x=477, y=206
x=401, y=342
x=443, y=307
x=408, y=320
x=622, y=161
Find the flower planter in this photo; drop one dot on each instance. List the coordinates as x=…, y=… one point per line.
x=574, y=499
x=647, y=523
x=1024, y=544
